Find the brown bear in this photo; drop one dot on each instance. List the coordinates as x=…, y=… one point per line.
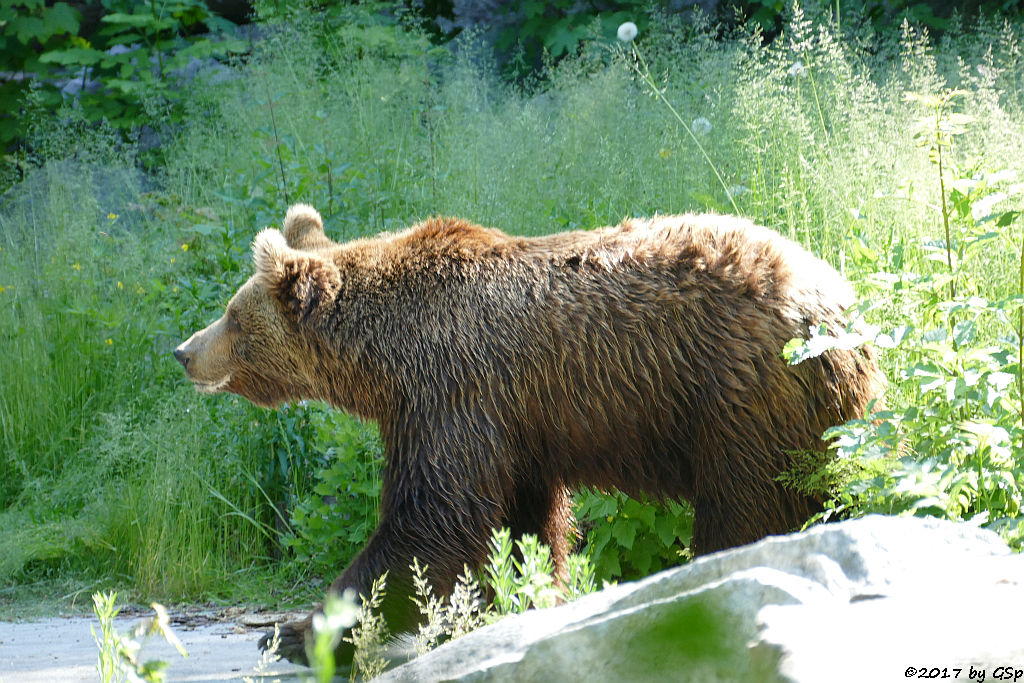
x=504, y=371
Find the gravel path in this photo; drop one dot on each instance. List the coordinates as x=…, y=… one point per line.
x=60, y=650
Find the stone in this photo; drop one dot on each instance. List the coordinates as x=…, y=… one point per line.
x=872, y=599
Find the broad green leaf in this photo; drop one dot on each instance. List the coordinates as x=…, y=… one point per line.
x=963, y=332
x=75, y=56
x=624, y=532
x=27, y=28
x=143, y=21
x=664, y=527
x=61, y=18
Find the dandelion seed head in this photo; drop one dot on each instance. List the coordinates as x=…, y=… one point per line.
x=701, y=126
x=627, y=32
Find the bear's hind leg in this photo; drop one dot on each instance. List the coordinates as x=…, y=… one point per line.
x=742, y=517
x=546, y=513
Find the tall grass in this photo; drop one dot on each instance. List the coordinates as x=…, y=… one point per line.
x=111, y=466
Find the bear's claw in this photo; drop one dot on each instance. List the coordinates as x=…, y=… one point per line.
x=291, y=644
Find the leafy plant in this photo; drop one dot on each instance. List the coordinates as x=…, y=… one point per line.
x=28, y=27
x=461, y=613
x=629, y=538
x=126, y=72
x=953, y=449
x=332, y=523
x=519, y=582
x=119, y=654
x=153, y=43
x=369, y=634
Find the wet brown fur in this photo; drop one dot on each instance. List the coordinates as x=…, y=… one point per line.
x=505, y=371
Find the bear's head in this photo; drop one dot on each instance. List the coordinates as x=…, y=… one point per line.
x=263, y=347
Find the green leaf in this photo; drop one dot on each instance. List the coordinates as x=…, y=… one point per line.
x=642, y=558
x=960, y=119
x=624, y=533
x=1006, y=218
x=665, y=528
x=931, y=101
x=610, y=565
x=144, y=21
x=599, y=538
x=963, y=332
x=75, y=56
x=61, y=18
x=27, y=28
x=533, y=8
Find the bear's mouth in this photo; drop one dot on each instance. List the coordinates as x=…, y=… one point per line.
x=211, y=387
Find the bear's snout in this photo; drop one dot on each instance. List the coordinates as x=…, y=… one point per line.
x=182, y=356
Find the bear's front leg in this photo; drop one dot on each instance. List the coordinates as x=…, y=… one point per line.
x=440, y=533
x=294, y=638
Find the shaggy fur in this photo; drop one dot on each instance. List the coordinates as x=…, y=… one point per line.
x=505, y=371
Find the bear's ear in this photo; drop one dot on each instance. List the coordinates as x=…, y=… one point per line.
x=303, y=229
x=303, y=283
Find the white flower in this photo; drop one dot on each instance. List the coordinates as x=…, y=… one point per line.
x=798, y=69
x=701, y=126
x=627, y=32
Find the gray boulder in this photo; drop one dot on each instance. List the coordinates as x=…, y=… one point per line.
x=874, y=599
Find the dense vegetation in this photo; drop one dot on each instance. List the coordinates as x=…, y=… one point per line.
x=893, y=155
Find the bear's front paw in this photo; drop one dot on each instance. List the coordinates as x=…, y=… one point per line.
x=292, y=641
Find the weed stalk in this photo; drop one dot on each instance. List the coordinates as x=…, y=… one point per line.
x=277, y=138
x=645, y=75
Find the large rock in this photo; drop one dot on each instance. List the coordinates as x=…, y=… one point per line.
x=874, y=599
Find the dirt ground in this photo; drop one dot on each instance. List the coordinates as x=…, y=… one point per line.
x=221, y=646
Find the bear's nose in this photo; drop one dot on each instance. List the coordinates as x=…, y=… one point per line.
x=182, y=357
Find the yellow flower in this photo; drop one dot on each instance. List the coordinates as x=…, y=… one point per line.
x=109, y=341
x=172, y=259
x=120, y=285
x=175, y=289
x=77, y=266
x=112, y=216
x=184, y=247
x=2, y=289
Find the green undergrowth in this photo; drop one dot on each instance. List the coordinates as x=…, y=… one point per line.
x=114, y=473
